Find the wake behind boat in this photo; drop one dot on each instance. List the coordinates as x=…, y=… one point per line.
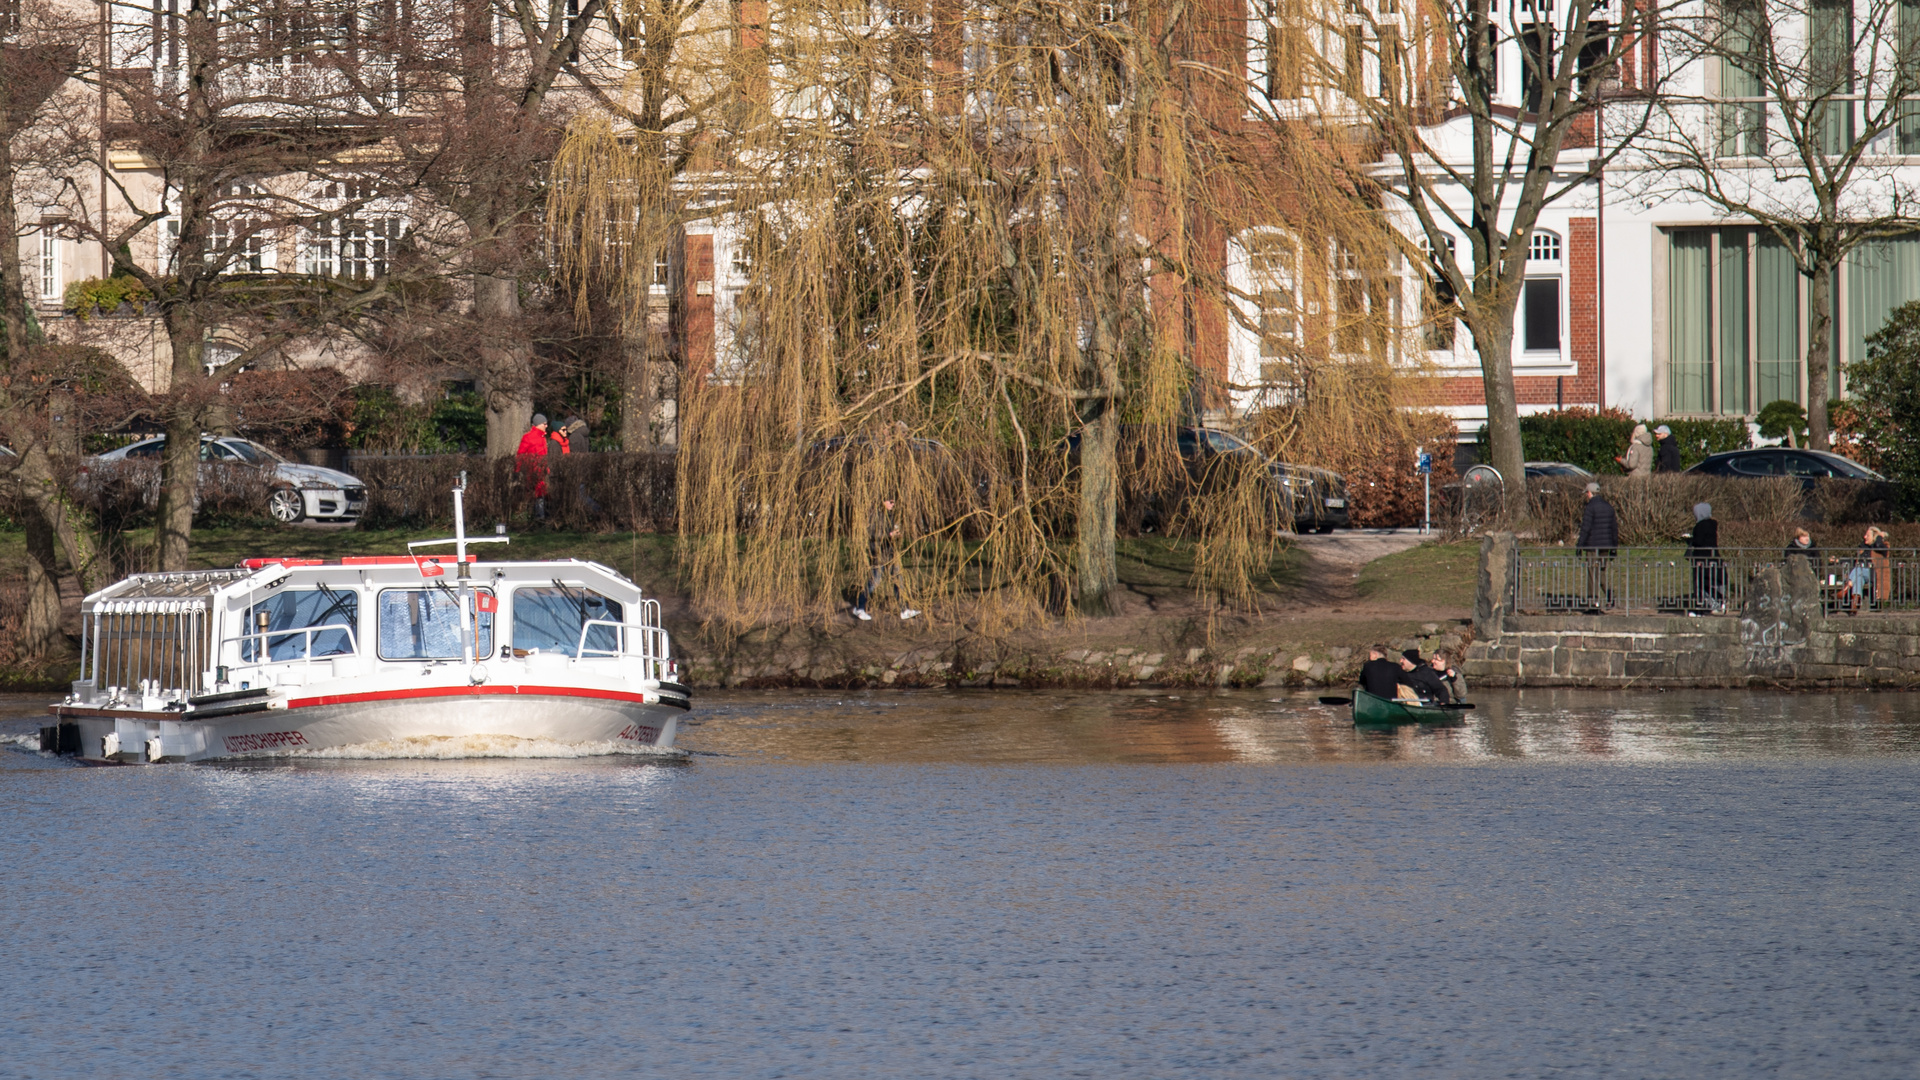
x=282, y=656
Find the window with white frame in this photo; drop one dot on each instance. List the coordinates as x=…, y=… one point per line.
x=1439, y=310
x=662, y=269
x=1273, y=261
x=1540, y=296
x=359, y=242
x=50, y=283
x=1278, y=51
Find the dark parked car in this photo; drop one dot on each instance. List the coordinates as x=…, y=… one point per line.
x=1563, y=469
x=1315, y=497
x=1808, y=465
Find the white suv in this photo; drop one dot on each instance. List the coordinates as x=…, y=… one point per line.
x=298, y=491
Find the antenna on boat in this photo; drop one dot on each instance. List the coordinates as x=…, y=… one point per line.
x=462, y=572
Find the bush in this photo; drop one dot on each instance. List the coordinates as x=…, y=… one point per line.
x=585, y=492
x=1699, y=438
x=1577, y=436
x=1886, y=393
x=103, y=296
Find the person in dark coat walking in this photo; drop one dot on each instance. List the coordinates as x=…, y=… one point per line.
x=1667, y=456
x=1380, y=676
x=883, y=535
x=1703, y=551
x=1598, y=543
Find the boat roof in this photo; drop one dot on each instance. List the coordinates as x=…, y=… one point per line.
x=179, y=589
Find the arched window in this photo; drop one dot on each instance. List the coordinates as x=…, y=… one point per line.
x=1544, y=247
x=1540, y=298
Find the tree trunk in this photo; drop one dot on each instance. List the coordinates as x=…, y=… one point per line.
x=638, y=394
x=1495, y=345
x=1095, y=564
x=42, y=620
x=180, y=461
x=1819, y=354
x=506, y=363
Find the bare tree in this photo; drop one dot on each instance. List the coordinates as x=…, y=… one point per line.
x=1462, y=154
x=251, y=122
x=39, y=52
x=1796, y=119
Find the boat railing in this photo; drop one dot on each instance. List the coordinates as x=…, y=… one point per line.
x=264, y=641
x=1666, y=581
x=646, y=642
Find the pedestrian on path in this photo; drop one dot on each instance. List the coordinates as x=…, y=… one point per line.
x=528, y=461
x=1703, y=552
x=1639, y=457
x=1598, y=543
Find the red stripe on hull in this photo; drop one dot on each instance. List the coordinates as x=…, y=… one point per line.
x=464, y=691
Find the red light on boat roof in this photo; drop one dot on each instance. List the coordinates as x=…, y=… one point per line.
x=255, y=564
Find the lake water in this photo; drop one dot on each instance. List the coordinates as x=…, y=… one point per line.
x=996, y=885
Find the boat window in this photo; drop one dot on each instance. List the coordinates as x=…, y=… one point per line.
x=424, y=624
x=297, y=609
x=550, y=617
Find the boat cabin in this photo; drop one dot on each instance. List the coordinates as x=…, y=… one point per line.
x=155, y=642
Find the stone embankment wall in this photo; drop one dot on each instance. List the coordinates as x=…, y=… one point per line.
x=1782, y=637
x=853, y=660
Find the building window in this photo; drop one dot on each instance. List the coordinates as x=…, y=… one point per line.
x=1543, y=246
x=1734, y=315
x=49, y=262
x=1540, y=309
x=662, y=270
x=1439, y=309
x=1279, y=56
x=1540, y=295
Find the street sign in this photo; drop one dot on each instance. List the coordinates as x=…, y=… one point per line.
x=1424, y=463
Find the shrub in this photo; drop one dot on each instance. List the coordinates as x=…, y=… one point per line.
x=586, y=492
x=1886, y=392
x=1577, y=436
x=1698, y=438
x=90, y=296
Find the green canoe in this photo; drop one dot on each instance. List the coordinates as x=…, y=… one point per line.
x=1371, y=709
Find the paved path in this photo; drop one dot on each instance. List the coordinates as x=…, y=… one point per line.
x=1354, y=548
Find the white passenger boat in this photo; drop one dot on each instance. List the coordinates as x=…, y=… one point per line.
x=289, y=656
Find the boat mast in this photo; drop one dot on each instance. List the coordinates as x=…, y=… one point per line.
x=463, y=572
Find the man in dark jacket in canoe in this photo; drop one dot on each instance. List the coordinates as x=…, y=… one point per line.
x=1380, y=676
x=1431, y=685
x=1599, y=542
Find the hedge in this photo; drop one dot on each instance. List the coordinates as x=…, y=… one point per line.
x=1592, y=439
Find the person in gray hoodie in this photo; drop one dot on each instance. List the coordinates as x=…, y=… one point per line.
x=1640, y=453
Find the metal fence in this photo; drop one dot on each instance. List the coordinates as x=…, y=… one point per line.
x=1646, y=581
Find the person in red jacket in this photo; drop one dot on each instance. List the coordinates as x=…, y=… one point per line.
x=532, y=451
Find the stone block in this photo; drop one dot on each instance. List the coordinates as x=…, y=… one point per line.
x=1074, y=656
x=1123, y=652
x=1302, y=663
x=1274, y=678
x=1194, y=655
x=1318, y=673
x=1853, y=657
x=1155, y=660
x=1590, y=664
x=1536, y=661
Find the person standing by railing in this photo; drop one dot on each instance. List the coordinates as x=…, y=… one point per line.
x=1598, y=543
x=1709, y=573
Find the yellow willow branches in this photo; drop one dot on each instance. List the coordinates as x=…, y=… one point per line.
x=981, y=262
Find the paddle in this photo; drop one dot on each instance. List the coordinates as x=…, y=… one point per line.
x=1423, y=705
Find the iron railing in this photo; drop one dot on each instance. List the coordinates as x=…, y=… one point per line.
x=1653, y=581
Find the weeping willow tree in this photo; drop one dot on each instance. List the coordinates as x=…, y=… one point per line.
x=965, y=260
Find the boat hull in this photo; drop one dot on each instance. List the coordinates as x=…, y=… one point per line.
x=321, y=722
x=1371, y=709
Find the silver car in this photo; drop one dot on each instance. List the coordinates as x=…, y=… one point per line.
x=298, y=492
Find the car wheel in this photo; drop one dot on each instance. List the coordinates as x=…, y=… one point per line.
x=286, y=505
